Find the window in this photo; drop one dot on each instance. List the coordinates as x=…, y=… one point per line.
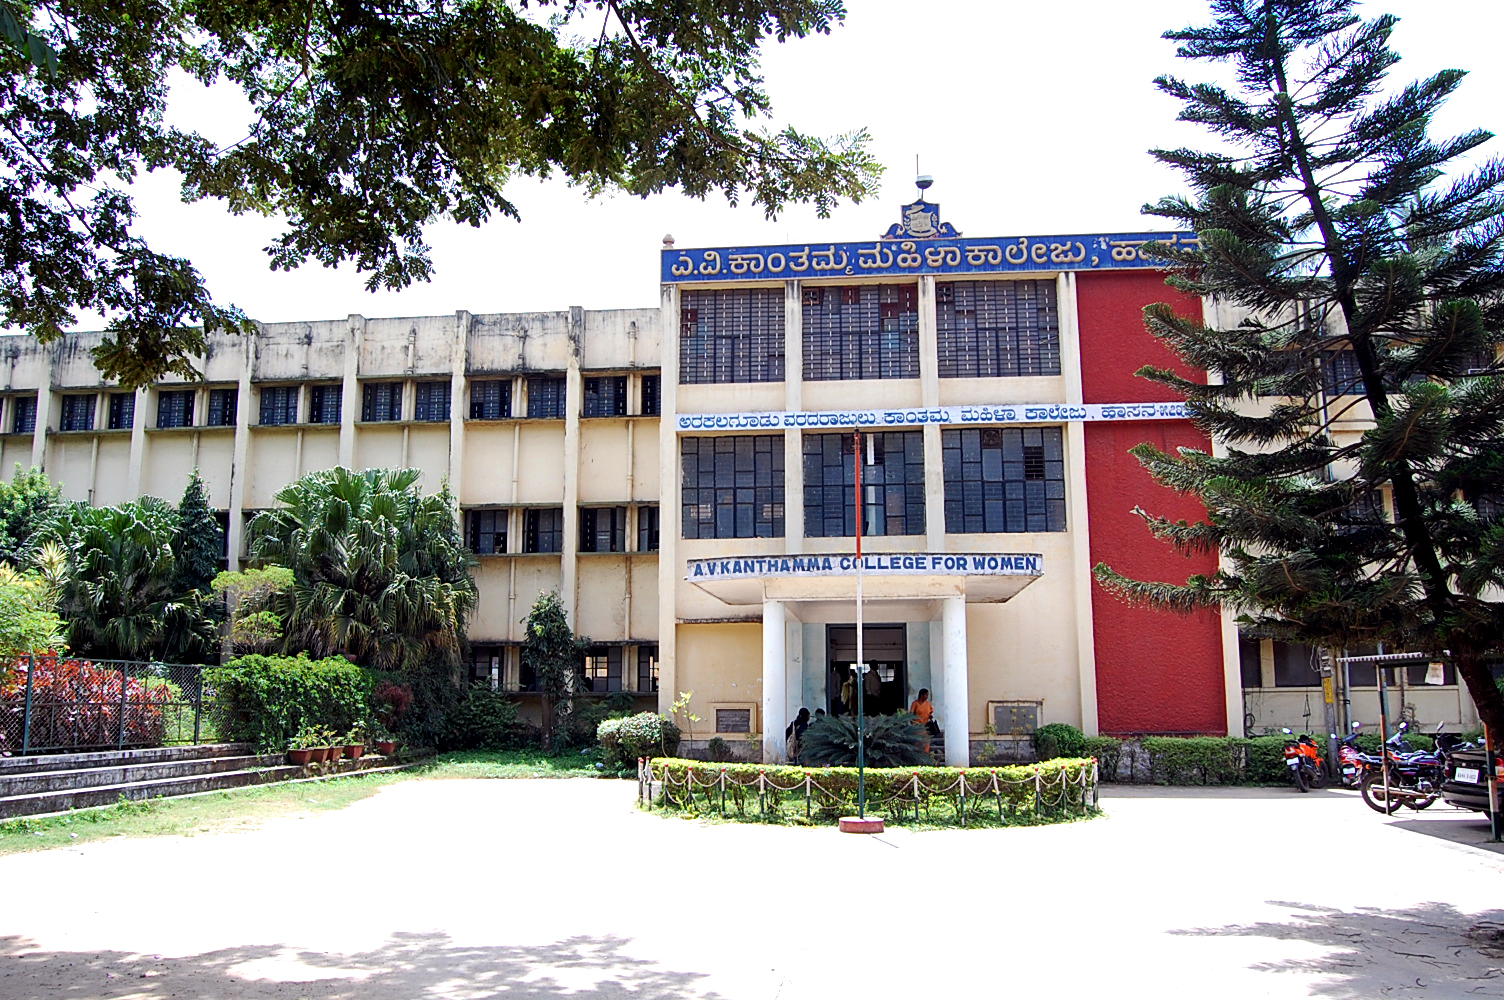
x=994, y=329
x=603, y=529
x=122, y=411
x=222, y=518
x=544, y=530
x=652, y=395
x=486, y=531
x=647, y=669
x=545, y=398
x=1004, y=479
x=432, y=402
x=602, y=668
x=487, y=666
x=861, y=331
x=23, y=414
x=892, y=484
x=491, y=399
x=78, y=412
x=731, y=335
x=1340, y=375
x=1296, y=665
x=175, y=409
x=223, y=404
x=326, y=404
x=279, y=404
x=606, y=396
x=1250, y=661
x=381, y=401
x=733, y=486
x=647, y=529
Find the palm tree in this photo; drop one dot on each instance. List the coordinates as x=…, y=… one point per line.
x=381, y=572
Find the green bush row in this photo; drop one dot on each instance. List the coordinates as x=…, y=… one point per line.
x=266, y=700
x=645, y=734
x=1192, y=760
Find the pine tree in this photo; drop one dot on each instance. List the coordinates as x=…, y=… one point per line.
x=196, y=546
x=553, y=653
x=1357, y=405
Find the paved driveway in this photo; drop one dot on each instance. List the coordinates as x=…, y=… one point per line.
x=532, y=890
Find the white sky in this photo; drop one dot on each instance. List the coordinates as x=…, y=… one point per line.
x=1033, y=120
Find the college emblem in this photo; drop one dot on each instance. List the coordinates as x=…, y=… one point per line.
x=921, y=221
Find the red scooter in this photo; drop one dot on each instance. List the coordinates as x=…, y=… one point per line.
x=1303, y=758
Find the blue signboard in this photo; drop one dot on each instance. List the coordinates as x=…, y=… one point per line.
x=882, y=258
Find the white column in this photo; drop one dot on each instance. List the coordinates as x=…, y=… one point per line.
x=670, y=470
x=955, y=710
x=1076, y=509
x=349, y=411
x=774, y=680
x=240, y=460
x=574, y=396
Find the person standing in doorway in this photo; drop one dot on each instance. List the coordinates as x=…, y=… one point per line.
x=872, y=686
x=848, y=694
x=924, y=715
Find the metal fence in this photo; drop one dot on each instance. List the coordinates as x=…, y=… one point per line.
x=57, y=703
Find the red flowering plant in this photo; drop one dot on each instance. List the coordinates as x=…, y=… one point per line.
x=75, y=703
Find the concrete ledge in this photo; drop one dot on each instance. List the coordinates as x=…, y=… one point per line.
x=856, y=824
x=107, y=758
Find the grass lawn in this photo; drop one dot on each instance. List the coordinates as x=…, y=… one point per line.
x=243, y=808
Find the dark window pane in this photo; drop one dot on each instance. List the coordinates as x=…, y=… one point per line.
x=1340, y=375
x=1000, y=479
x=652, y=392
x=647, y=529
x=647, y=669
x=1296, y=665
x=381, y=401
x=122, y=410
x=23, y=414
x=861, y=332
x=893, y=499
x=432, y=402
x=325, y=404
x=223, y=404
x=78, y=413
x=544, y=530
x=603, y=529
x=279, y=404
x=490, y=399
x=602, y=668
x=486, y=531
x=731, y=335
x=545, y=398
x=606, y=396
x=1250, y=661
x=175, y=409
x=722, y=496
x=992, y=329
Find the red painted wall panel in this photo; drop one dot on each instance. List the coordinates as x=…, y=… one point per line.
x=1157, y=672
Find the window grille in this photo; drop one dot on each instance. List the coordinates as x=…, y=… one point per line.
x=325, y=404
x=23, y=418
x=488, y=666
x=892, y=485
x=731, y=335
x=647, y=669
x=381, y=401
x=175, y=409
x=223, y=404
x=490, y=399
x=544, y=530
x=279, y=404
x=1340, y=375
x=545, y=398
x=432, y=403
x=652, y=395
x=647, y=529
x=996, y=329
x=1003, y=479
x=78, y=412
x=733, y=486
x=486, y=531
x=861, y=332
x=122, y=410
x=602, y=668
x=603, y=529
x=606, y=396
x=222, y=520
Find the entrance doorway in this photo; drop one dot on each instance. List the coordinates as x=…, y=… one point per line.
x=885, y=648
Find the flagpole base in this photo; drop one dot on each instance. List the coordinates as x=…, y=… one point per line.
x=858, y=824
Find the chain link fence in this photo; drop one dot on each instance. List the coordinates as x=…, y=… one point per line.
x=62, y=703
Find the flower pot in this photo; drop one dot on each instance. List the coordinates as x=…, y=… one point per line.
x=353, y=752
x=320, y=754
x=386, y=747
x=300, y=757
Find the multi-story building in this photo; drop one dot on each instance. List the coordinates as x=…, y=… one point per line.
x=684, y=477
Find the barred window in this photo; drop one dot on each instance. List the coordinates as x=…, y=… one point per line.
x=381, y=401
x=1001, y=479
x=995, y=329
x=122, y=410
x=602, y=668
x=731, y=335
x=545, y=398
x=486, y=531
x=175, y=409
x=861, y=331
x=432, y=403
x=23, y=418
x=892, y=484
x=1340, y=375
x=326, y=404
x=223, y=404
x=279, y=404
x=606, y=396
x=544, y=530
x=491, y=399
x=647, y=529
x=652, y=395
x=487, y=665
x=647, y=669
x=733, y=486
x=603, y=529
x=78, y=412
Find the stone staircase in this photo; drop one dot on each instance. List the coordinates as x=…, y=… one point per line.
x=55, y=783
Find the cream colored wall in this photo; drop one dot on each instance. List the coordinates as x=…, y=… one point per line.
x=601, y=610
x=427, y=449
x=320, y=451
x=541, y=463
x=1275, y=708
x=691, y=603
x=378, y=446
x=644, y=581
x=112, y=470
x=169, y=461
x=488, y=462
x=604, y=459
x=720, y=663
x=740, y=397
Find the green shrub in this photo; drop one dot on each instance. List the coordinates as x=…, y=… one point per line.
x=645, y=734
x=1107, y=750
x=266, y=700
x=1266, y=761
x=1057, y=739
x=1195, y=760
x=720, y=750
x=895, y=740
x=483, y=720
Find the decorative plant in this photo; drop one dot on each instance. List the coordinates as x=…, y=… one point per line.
x=681, y=706
x=311, y=736
x=895, y=740
x=356, y=736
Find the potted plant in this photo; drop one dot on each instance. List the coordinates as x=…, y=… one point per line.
x=324, y=748
x=306, y=747
x=355, y=741
x=382, y=738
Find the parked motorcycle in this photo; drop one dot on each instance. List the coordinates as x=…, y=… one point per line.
x=1414, y=780
x=1350, y=759
x=1303, y=758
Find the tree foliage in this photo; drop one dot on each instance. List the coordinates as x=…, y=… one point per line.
x=1335, y=230
x=380, y=572
x=28, y=504
x=29, y=622
x=896, y=740
x=248, y=594
x=196, y=546
x=553, y=653
x=369, y=121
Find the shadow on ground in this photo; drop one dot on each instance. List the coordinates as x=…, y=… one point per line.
x=1431, y=950
x=1456, y=826
x=408, y=967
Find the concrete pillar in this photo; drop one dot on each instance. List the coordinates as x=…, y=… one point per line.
x=349, y=411
x=955, y=710
x=1076, y=510
x=241, y=455
x=929, y=391
x=670, y=471
x=774, y=680
x=574, y=401
x=138, y=440
x=793, y=401
x=459, y=407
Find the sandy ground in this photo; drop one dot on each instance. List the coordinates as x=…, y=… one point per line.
x=542, y=889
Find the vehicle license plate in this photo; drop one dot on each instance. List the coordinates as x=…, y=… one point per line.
x=1349, y=770
x=1468, y=774
x=1293, y=762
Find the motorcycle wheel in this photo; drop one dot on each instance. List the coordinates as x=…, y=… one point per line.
x=1302, y=780
x=1419, y=804
x=1316, y=777
x=1373, y=795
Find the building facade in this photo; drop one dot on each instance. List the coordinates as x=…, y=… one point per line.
x=684, y=477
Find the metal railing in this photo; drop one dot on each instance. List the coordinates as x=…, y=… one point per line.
x=52, y=703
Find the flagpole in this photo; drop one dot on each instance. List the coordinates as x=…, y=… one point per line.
x=861, y=674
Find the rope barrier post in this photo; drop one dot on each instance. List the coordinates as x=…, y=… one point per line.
x=963, y=799
x=999, y=793
x=808, y=813
x=723, y=791
x=1037, y=793
x=762, y=796
x=916, y=796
